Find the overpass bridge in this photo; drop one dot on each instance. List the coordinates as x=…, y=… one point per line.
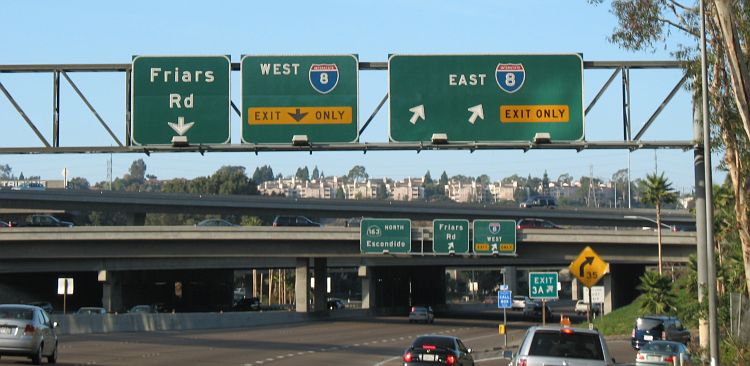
x=132, y=256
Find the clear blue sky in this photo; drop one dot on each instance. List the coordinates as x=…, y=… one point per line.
x=41, y=32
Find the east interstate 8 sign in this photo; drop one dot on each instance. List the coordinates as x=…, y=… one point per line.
x=486, y=98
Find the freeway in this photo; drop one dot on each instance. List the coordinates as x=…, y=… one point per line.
x=359, y=341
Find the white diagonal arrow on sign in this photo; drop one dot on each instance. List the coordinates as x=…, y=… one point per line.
x=476, y=111
x=418, y=113
x=180, y=127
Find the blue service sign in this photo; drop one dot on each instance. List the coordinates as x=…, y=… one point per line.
x=504, y=299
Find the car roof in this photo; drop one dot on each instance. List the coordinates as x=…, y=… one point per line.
x=24, y=306
x=437, y=336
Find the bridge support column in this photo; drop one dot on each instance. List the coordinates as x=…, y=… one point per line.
x=302, y=284
x=320, y=272
x=511, y=278
x=111, y=291
x=608, y=298
x=368, y=288
x=574, y=285
x=136, y=218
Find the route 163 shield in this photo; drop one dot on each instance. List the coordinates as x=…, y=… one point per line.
x=494, y=227
x=324, y=77
x=510, y=77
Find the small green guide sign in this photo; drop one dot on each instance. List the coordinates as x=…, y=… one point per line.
x=494, y=237
x=180, y=98
x=379, y=236
x=450, y=236
x=543, y=285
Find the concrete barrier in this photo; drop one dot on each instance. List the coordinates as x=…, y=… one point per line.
x=84, y=324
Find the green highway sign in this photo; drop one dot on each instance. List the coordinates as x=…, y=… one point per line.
x=485, y=98
x=181, y=99
x=315, y=96
x=379, y=236
x=450, y=236
x=543, y=285
x=494, y=237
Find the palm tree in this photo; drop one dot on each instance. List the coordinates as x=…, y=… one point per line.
x=657, y=190
x=657, y=293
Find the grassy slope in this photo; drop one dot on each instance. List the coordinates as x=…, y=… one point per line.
x=620, y=321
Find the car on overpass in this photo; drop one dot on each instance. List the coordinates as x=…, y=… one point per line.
x=5, y=224
x=215, y=222
x=539, y=201
x=47, y=221
x=438, y=350
x=530, y=223
x=283, y=220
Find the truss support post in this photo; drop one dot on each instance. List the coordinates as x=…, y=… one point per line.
x=56, y=108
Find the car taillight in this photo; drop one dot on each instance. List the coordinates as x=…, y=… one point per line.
x=639, y=356
x=669, y=359
x=663, y=335
x=632, y=334
x=407, y=357
x=413, y=309
x=450, y=360
x=567, y=331
x=29, y=329
x=521, y=362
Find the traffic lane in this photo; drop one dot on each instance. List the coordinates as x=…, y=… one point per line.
x=622, y=351
x=359, y=342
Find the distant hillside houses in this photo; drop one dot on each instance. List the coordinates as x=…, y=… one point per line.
x=413, y=189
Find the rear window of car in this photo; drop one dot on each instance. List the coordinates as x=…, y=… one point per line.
x=647, y=323
x=16, y=313
x=661, y=347
x=438, y=342
x=557, y=344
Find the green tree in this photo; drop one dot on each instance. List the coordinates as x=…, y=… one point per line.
x=6, y=172
x=657, y=293
x=428, y=178
x=656, y=191
x=302, y=174
x=78, y=184
x=357, y=173
x=263, y=174
x=315, y=173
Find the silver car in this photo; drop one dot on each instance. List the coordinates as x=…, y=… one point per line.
x=556, y=345
x=27, y=331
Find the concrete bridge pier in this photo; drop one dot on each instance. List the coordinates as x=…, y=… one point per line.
x=302, y=285
x=111, y=290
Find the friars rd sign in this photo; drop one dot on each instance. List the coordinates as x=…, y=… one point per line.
x=180, y=99
x=485, y=98
x=314, y=96
x=378, y=236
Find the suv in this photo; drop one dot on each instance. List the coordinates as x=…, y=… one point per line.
x=555, y=345
x=293, y=221
x=658, y=327
x=539, y=201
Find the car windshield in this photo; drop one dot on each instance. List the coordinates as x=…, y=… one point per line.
x=647, y=323
x=661, y=347
x=574, y=345
x=439, y=342
x=16, y=313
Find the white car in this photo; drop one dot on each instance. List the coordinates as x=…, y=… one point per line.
x=421, y=314
x=582, y=307
x=520, y=303
x=555, y=345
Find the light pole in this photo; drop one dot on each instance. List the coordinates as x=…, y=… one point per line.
x=630, y=217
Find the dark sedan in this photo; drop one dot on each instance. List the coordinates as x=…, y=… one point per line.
x=438, y=350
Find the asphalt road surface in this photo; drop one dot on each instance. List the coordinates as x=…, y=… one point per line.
x=362, y=341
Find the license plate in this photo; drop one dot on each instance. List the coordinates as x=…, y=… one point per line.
x=654, y=358
x=6, y=330
x=648, y=337
x=431, y=358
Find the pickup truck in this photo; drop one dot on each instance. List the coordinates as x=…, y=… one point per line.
x=47, y=221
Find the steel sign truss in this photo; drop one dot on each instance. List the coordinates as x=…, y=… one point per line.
x=123, y=144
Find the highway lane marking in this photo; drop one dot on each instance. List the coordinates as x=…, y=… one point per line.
x=387, y=360
x=490, y=359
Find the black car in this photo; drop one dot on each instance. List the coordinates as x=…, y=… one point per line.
x=438, y=350
x=247, y=304
x=658, y=327
x=539, y=201
x=293, y=221
x=334, y=304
